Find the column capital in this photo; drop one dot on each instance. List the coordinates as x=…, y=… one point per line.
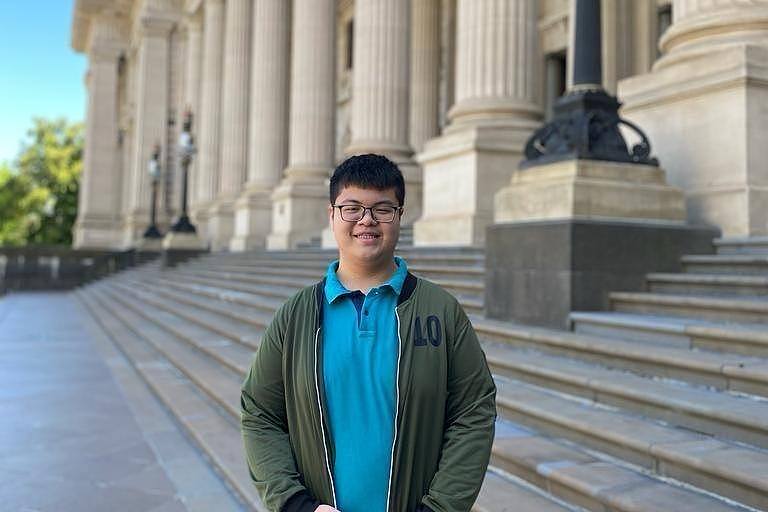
x=107, y=37
x=153, y=26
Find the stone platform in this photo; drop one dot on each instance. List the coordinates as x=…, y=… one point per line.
x=80, y=431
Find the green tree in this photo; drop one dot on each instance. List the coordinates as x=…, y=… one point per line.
x=38, y=192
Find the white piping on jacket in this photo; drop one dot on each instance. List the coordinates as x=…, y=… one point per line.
x=322, y=423
x=397, y=410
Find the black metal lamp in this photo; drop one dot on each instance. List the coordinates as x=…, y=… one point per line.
x=187, y=149
x=153, y=168
x=586, y=122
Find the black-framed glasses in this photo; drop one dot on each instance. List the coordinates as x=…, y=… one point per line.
x=380, y=213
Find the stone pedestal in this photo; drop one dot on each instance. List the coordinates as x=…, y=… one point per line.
x=298, y=213
x=253, y=219
x=179, y=247
x=221, y=223
x=538, y=272
x=149, y=245
x=497, y=108
x=594, y=189
x=702, y=107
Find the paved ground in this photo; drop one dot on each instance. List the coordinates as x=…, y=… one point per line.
x=79, y=431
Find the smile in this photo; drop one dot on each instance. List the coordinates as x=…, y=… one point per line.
x=367, y=236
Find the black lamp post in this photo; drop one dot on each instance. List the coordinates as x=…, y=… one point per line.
x=153, y=167
x=186, y=151
x=586, y=122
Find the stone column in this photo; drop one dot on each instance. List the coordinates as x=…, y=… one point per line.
x=234, y=121
x=299, y=202
x=497, y=108
x=151, y=115
x=711, y=74
x=425, y=72
x=192, y=79
x=380, y=89
x=99, y=216
x=210, y=114
x=268, y=127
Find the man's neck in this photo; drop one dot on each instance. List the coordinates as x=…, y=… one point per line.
x=364, y=277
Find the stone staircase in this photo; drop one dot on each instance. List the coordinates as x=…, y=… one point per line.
x=660, y=404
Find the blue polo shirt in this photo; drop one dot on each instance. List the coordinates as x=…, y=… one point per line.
x=360, y=351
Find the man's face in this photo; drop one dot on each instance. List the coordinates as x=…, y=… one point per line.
x=365, y=241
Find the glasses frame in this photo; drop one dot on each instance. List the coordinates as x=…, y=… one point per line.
x=398, y=210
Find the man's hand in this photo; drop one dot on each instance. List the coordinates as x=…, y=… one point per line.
x=326, y=508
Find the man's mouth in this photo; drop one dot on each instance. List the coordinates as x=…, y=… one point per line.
x=367, y=236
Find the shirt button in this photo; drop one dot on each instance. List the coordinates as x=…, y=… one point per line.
x=365, y=312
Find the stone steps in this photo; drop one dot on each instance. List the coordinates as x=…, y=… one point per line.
x=730, y=309
x=733, y=372
x=467, y=277
x=468, y=292
x=246, y=334
x=717, y=370
x=746, y=339
x=214, y=431
x=722, y=467
x=743, y=419
x=218, y=383
x=741, y=264
x=708, y=284
x=745, y=245
x=627, y=413
x=181, y=360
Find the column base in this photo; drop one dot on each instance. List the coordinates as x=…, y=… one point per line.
x=135, y=224
x=253, y=218
x=183, y=241
x=299, y=213
x=151, y=245
x=722, y=171
x=179, y=247
x=200, y=215
x=221, y=224
x=98, y=232
x=462, y=171
x=538, y=272
x=590, y=189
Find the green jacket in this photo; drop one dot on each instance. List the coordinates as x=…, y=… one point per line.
x=445, y=406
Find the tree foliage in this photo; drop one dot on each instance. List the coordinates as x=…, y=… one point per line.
x=38, y=191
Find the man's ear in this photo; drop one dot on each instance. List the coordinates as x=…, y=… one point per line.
x=330, y=214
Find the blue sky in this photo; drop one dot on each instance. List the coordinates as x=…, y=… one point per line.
x=40, y=75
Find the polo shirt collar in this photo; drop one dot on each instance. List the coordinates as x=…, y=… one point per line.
x=334, y=289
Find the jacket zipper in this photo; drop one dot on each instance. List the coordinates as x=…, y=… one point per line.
x=397, y=412
x=322, y=420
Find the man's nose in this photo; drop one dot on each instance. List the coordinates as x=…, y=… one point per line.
x=367, y=218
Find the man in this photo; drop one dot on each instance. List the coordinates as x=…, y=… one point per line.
x=369, y=391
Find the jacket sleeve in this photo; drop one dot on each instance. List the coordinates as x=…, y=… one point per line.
x=264, y=427
x=469, y=424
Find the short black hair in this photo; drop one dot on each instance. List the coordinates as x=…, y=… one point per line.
x=368, y=171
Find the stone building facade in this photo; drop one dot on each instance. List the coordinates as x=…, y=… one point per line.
x=282, y=90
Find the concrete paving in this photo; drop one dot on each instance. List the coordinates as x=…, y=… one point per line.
x=79, y=430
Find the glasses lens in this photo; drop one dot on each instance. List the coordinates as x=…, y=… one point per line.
x=384, y=214
x=352, y=213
